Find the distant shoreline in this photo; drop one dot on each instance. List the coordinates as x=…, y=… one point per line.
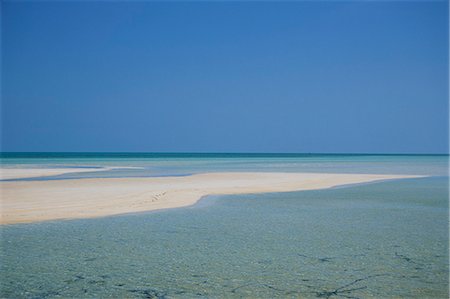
x=8, y=174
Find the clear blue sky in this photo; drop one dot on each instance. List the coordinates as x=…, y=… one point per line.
x=225, y=76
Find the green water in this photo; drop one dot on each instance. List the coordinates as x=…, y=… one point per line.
x=382, y=240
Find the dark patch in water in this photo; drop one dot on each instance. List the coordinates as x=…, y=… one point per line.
x=149, y=293
x=319, y=259
x=405, y=258
x=347, y=289
x=102, y=282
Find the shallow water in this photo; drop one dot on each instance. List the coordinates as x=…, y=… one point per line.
x=154, y=164
x=380, y=240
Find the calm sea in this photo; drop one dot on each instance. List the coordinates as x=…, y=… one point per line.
x=381, y=240
x=156, y=164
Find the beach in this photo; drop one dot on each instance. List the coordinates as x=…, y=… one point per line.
x=42, y=200
x=225, y=226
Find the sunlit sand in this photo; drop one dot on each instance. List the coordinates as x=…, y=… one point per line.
x=32, y=201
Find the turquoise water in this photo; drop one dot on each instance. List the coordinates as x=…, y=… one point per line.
x=381, y=240
x=154, y=164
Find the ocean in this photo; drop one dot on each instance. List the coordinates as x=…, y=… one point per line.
x=382, y=240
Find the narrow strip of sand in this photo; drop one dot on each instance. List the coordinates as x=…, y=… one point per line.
x=20, y=173
x=32, y=201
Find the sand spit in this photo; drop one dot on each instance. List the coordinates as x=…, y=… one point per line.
x=20, y=173
x=32, y=201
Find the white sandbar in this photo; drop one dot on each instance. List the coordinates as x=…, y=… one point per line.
x=32, y=201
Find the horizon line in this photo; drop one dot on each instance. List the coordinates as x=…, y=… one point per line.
x=221, y=153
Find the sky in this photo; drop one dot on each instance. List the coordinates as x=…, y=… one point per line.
x=306, y=77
